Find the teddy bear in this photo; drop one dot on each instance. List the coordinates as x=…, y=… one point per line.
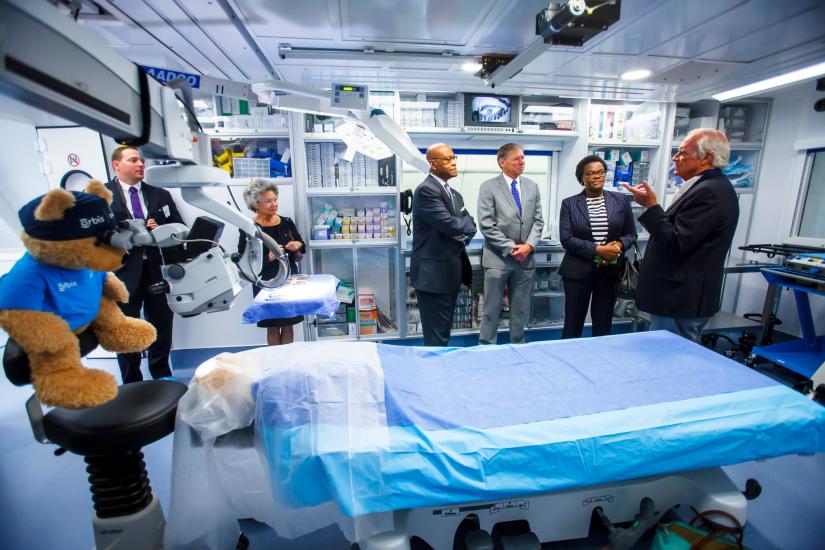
x=63, y=286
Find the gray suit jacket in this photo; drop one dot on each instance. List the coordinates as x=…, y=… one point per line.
x=502, y=226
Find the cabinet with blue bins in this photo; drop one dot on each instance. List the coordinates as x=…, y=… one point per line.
x=250, y=154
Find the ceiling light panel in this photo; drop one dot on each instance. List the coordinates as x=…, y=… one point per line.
x=290, y=19
x=413, y=21
x=649, y=24
x=748, y=21
x=786, y=79
x=778, y=37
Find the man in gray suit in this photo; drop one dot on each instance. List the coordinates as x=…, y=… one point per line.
x=509, y=217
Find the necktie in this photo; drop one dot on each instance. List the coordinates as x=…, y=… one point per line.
x=514, y=190
x=450, y=194
x=137, y=210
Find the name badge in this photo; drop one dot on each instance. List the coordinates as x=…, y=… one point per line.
x=165, y=210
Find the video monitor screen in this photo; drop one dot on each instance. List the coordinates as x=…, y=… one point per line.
x=494, y=109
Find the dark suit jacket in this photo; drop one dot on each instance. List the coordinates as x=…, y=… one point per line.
x=155, y=199
x=577, y=238
x=439, y=263
x=681, y=273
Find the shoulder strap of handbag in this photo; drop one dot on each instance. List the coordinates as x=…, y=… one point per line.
x=737, y=530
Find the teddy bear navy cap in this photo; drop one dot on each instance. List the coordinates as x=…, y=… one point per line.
x=89, y=216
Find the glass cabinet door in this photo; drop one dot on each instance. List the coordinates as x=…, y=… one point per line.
x=340, y=263
x=377, y=269
x=548, y=297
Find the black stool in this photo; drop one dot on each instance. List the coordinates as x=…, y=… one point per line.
x=110, y=438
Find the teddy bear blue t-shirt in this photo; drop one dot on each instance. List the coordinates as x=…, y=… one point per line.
x=71, y=294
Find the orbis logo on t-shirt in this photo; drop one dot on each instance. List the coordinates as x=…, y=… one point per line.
x=86, y=223
x=66, y=285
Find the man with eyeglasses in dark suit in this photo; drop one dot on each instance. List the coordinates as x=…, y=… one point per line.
x=441, y=229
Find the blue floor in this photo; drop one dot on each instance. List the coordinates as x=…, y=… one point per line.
x=46, y=501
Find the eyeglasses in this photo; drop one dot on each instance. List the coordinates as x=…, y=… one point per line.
x=682, y=154
x=448, y=159
x=269, y=201
x=599, y=174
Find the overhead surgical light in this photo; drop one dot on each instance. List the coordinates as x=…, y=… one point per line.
x=372, y=131
x=361, y=140
x=637, y=74
x=798, y=75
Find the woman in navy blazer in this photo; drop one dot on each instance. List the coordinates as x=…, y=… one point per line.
x=590, y=268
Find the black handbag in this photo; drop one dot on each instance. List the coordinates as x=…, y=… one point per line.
x=628, y=279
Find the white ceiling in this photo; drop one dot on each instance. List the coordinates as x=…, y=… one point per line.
x=694, y=47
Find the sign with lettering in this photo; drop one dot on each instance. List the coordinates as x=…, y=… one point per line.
x=164, y=75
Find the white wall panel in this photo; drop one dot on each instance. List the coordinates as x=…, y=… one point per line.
x=792, y=118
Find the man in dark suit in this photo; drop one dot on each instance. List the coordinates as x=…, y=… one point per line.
x=680, y=281
x=439, y=263
x=134, y=199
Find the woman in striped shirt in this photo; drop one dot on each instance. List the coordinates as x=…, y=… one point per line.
x=596, y=228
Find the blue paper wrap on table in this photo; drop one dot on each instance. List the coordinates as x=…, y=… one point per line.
x=300, y=295
x=376, y=427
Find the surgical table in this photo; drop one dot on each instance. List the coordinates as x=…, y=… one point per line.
x=392, y=441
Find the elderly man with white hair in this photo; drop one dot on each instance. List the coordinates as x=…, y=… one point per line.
x=680, y=281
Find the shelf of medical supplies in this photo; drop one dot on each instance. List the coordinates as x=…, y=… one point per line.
x=421, y=135
x=361, y=190
x=243, y=133
x=646, y=144
x=346, y=243
x=433, y=130
x=323, y=136
x=555, y=134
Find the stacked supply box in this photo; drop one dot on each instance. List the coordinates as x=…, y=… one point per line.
x=328, y=164
x=344, y=173
x=359, y=170
x=371, y=166
x=314, y=176
x=455, y=114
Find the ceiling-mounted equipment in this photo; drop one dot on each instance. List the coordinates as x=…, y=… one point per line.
x=575, y=22
x=491, y=62
x=567, y=23
x=371, y=132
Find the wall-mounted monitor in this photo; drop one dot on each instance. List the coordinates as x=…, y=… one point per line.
x=490, y=110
